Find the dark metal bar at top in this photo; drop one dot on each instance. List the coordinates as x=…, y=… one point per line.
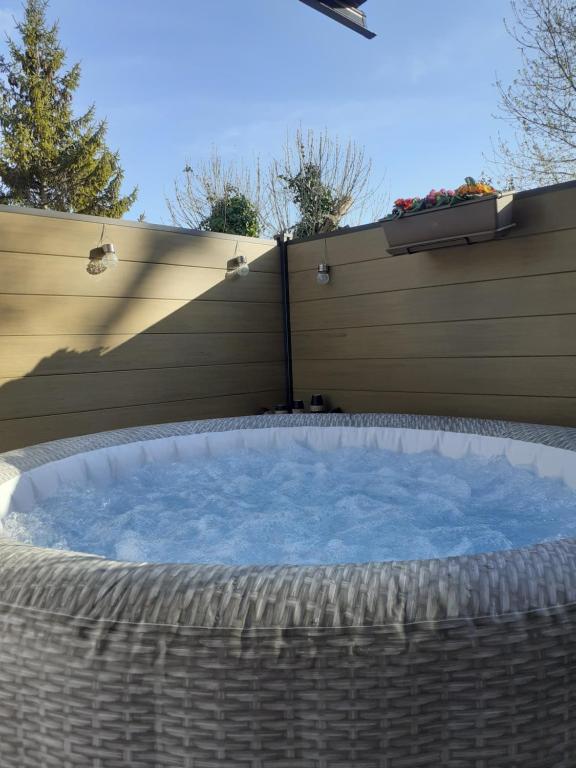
x=344, y=13
x=287, y=330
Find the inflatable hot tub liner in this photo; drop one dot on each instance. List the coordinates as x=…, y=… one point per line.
x=463, y=662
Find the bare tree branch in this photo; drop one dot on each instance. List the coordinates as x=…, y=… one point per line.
x=541, y=100
x=201, y=187
x=318, y=183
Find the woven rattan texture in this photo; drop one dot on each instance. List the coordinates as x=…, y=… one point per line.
x=463, y=662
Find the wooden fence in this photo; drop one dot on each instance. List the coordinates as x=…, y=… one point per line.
x=163, y=337
x=485, y=330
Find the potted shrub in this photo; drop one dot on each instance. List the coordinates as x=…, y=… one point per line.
x=473, y=213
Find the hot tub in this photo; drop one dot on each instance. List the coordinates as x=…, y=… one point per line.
x=465, y=662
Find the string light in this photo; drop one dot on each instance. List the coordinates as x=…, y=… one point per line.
x=323, y=274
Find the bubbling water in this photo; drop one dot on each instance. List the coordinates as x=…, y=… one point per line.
x=295, y=505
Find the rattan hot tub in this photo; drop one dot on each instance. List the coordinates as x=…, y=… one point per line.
x=466, y=662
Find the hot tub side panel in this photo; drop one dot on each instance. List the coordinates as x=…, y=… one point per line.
x=473, y=694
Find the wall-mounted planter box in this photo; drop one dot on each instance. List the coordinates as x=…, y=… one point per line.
x=473, y=221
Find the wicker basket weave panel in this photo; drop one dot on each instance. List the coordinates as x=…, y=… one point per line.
x=457, y=663
x=474, y=694
x=492, y=584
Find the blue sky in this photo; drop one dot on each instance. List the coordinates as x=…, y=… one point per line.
x=175, y=78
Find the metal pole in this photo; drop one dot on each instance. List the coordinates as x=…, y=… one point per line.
x=287, y=330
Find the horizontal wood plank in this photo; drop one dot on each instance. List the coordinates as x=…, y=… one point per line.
x=344, y=248
x=22, y=432
x=539, y=410
x=45, y=355
x=517, y=297
x=529, y=376
x=551, y=211
x=164, y=336
x=548, y=211
x=487, y=330
x=28, y=233
x=538, y=255
x=49, y=315
x=523, y=336
x=23, y=273
x=49, y=395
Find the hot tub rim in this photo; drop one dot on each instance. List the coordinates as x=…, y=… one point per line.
x=491, y=586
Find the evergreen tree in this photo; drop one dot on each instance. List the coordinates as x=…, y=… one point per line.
x=48, y=157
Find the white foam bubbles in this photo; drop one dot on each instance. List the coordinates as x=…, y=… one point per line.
x=296, y=504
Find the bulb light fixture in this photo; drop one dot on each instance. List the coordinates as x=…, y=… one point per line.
x=102, y=257
x=323, y=273
x=110, y=257
x=238, y=266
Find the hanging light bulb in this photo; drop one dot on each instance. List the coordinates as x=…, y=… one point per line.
x=243, y=267
x=323, y=274
x=238, y=266
x=110, y=257
x=102, y=257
